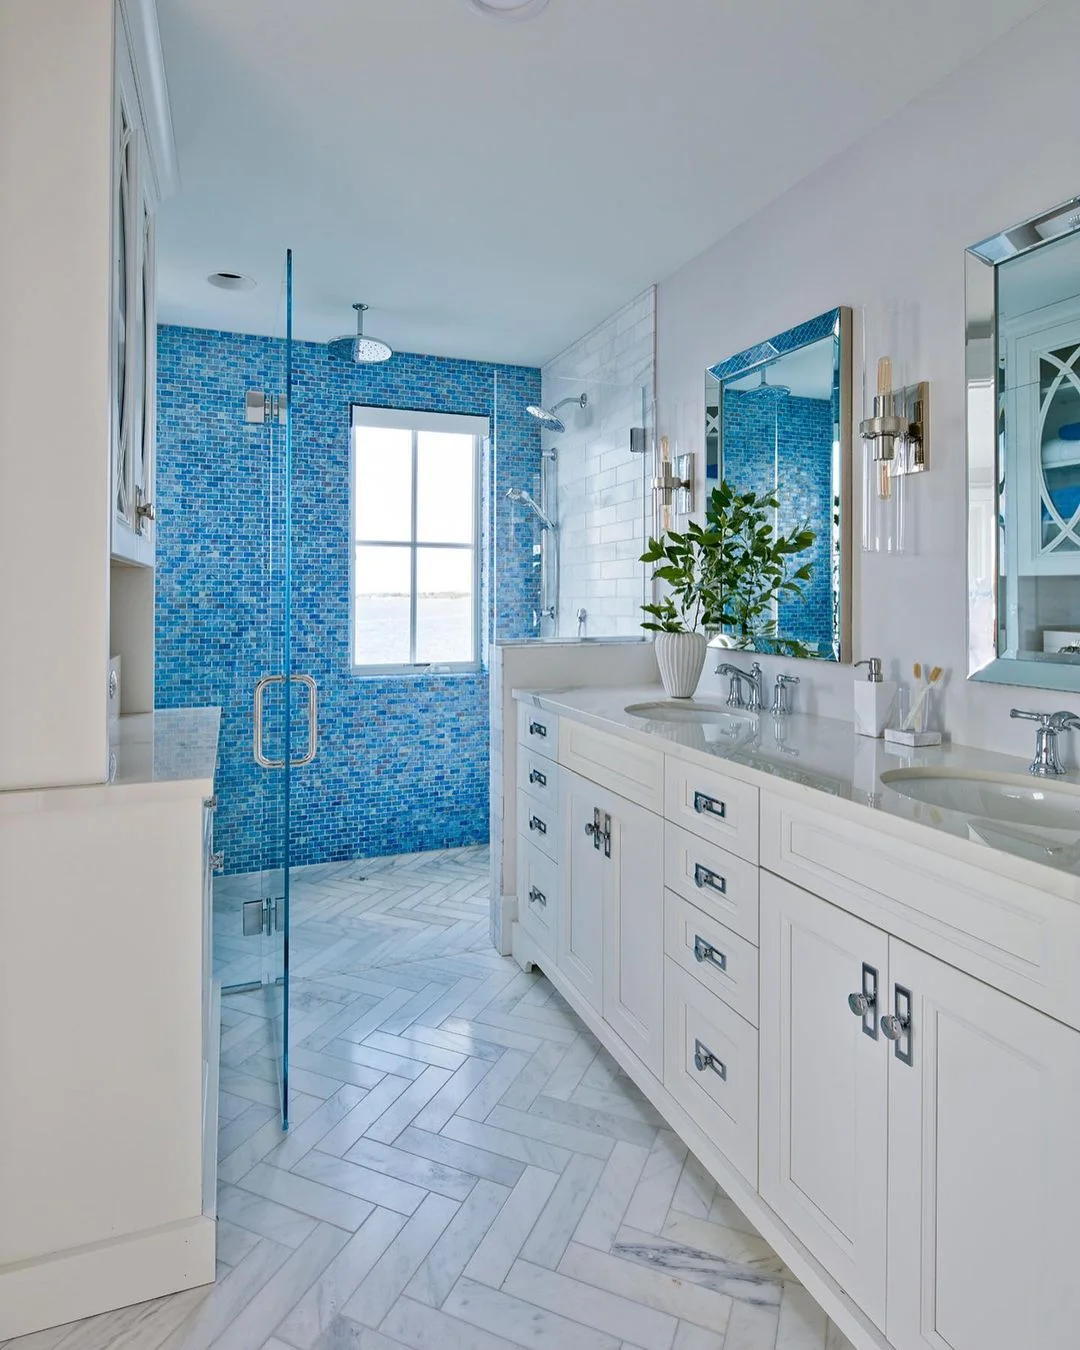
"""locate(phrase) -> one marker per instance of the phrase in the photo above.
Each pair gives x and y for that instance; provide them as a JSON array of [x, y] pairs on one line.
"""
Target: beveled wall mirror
[[778, 422], [1023, 445]]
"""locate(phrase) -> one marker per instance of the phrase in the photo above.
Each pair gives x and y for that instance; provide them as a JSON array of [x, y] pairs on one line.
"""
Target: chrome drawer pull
[[537, 729], [537, 896], [705, 805], [535, 776], [864, 1004], [706, 877], [705, 951], [705, 1059], [535, 823], [897, 1027]]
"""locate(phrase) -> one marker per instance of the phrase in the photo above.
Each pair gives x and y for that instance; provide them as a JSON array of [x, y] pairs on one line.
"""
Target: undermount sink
[[691, 710], [1013, 800]]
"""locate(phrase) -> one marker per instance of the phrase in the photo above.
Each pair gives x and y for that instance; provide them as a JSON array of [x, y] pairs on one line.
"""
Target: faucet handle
[[1043, 718], [779, 701]]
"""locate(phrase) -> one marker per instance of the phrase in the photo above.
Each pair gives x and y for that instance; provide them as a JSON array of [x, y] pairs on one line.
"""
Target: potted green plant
[[724, 576]]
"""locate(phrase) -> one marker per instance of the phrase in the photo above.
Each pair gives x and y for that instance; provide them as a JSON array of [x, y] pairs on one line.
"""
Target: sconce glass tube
[[883, 489]]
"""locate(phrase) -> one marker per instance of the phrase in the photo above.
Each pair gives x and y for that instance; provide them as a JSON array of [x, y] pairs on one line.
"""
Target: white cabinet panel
[[715, 880], [715, 956], [580, 928], [824, 1084], [633, 771], [539, 823], [720, 809], [538, 776], [984, 1169], [538, 895], [538, 730], [711, 1067], [634, 930]]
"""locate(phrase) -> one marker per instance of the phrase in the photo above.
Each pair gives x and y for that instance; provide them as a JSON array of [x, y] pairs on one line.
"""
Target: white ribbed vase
[[681, 657]]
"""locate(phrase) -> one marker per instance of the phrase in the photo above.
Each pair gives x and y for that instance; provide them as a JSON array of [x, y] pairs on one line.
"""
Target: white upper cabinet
[[134, 321], [984, 1168], [824, 1085]]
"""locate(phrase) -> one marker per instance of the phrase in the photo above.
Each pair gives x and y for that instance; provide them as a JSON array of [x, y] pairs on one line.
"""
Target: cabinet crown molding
[[140, 24]]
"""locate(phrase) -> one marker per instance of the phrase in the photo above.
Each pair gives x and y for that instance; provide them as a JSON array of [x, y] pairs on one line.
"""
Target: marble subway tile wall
[[403, 761], [602, 487]]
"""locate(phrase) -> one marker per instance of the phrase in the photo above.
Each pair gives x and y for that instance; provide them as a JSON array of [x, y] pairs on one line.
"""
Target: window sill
[[417, 672]]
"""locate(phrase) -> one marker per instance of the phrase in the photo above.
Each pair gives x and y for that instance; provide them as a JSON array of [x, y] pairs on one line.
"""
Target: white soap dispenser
[[874, 698]]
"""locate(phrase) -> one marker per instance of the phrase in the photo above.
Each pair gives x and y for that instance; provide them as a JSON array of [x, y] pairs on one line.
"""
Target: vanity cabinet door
[[634, 930], [580, 930], [824, 1122], [984, 1168]]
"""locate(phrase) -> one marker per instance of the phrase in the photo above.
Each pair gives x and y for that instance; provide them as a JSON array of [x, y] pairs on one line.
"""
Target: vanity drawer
[[538, 729], [716, 881], [538, 881], [720, 960], [539, 824], [538, 777], [1016, 936], [720, 809], [711, 1067], [633, 771]]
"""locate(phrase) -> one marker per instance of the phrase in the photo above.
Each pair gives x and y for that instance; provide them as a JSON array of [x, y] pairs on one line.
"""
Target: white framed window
[[415, 487]]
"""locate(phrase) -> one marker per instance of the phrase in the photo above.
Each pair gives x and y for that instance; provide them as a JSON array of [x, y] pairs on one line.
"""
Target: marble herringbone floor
[[466, 1168]]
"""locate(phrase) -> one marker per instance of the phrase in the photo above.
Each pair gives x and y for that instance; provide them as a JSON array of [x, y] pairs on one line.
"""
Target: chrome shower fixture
[[521, 497], [548, 418], [358, 349]]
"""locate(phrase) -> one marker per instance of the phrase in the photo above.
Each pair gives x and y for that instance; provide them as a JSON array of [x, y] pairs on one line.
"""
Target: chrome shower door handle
[[261, 687], [313, 719]]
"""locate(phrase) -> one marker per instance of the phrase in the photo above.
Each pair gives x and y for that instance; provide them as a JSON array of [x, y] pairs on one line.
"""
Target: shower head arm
[[581, 400]]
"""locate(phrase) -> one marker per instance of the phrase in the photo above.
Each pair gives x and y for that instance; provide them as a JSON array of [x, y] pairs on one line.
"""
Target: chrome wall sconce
[[673, 485], [896, 444]]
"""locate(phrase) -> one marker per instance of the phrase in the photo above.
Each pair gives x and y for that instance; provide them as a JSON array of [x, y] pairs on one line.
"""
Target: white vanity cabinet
[[611, 931], [984, 1168], [868, 1030], [824, 1085]]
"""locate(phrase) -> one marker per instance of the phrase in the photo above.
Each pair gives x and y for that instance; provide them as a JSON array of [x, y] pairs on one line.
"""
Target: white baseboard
[[51, 1290]]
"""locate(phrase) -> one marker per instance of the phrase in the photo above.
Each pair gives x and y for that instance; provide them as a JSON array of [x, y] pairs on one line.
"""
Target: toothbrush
[[917, 716]]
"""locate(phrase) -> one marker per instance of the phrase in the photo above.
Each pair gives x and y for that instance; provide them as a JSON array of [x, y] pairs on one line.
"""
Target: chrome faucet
[[738, 677], [1046, 763], [780, 706]]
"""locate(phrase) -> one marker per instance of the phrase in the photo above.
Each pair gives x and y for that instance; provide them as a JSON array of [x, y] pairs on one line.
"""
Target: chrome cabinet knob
[[892, 1027], [145, 511], [860, 1004]]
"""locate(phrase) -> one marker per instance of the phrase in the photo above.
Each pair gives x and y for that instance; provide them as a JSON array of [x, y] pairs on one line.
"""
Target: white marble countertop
[[797, 754], [172, 745], [170, 753]]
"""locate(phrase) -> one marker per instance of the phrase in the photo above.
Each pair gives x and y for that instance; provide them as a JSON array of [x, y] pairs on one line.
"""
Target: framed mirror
[[1023, 448], [778, 423]]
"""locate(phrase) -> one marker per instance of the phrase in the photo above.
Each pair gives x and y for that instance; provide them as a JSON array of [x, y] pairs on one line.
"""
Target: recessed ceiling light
[[231, 281], [508, 9]]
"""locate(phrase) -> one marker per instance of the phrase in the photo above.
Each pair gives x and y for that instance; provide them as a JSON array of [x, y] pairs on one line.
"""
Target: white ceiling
[[492, 189]]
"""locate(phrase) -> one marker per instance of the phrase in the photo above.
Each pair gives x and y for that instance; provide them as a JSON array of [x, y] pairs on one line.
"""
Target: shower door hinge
[[260, 407], [262, 916]]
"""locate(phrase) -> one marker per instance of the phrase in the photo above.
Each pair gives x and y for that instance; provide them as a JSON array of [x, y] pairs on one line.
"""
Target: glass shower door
[[274, 701]]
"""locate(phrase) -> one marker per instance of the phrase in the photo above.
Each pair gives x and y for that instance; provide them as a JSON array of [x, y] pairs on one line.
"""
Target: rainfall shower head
[[520, 496], [358, 349], [764, 387], [547, 416]]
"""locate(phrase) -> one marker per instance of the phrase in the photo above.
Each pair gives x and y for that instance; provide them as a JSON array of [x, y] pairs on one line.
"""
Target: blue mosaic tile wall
[[402, 762], [760, 430]]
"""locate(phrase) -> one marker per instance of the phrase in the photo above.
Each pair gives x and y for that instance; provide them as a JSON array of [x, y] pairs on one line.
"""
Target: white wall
[[600, 497], [887, 223]]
